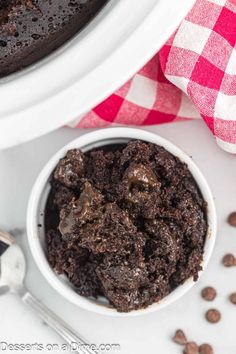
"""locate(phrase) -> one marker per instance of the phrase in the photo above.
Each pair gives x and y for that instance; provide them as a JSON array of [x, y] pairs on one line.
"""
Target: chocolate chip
[[191, 348], [180, 337], [233, 298], [208, 293], [232, 219], [206, 349], [229, 260], [213, 316]]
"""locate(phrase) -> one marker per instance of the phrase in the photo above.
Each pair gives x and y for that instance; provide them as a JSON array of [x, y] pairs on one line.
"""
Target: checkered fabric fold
[[193, 76]]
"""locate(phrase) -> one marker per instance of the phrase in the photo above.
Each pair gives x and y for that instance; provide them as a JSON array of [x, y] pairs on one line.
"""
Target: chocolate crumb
[[206, 349], [213, 316], [208, 293], [233, 298], [232, 219], [191, 348], [180, 337], [229, 260]]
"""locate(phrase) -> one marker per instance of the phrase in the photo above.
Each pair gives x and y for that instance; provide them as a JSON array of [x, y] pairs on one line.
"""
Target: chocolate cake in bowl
[[121, 221]]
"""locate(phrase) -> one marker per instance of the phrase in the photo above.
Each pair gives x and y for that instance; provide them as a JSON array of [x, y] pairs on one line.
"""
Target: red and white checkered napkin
[[193, 75]]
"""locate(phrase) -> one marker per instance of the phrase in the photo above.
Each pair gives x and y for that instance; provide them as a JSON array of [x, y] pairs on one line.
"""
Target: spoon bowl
[[13, 266], [12, 274]]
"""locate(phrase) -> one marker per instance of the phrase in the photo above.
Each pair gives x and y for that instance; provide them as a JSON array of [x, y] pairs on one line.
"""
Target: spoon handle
[[78, 344]]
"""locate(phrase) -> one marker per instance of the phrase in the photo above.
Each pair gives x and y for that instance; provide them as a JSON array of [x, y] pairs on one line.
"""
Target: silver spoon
[[12, 274]]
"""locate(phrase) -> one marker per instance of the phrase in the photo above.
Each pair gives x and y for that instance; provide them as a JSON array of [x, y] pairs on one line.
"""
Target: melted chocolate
[[31, 29]]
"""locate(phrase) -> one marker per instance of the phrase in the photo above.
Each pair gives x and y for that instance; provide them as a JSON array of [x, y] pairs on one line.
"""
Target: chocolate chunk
[[208, 293], [70, 169], [141, 190], [141, 175], [80, 211], [232, 219], [206, 349], [229, 260], [213, 316], [191, 348], [180, 337], [232, 298]]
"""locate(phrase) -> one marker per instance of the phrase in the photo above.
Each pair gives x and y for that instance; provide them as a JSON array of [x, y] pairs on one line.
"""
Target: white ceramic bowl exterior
[[68, 83], [35, 216]]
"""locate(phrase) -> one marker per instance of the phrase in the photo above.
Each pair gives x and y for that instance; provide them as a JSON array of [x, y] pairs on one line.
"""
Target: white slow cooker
[[82, 73]]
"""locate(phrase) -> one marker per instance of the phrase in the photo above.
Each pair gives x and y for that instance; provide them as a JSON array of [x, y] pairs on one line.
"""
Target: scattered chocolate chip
[[229, 260], [206, 349], [191, 348], [213, 316], [232, 219], [208, 293], [233, 298], [180, 337]]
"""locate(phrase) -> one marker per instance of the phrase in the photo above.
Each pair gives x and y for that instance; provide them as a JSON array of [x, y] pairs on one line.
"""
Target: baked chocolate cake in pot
[[31, 29]]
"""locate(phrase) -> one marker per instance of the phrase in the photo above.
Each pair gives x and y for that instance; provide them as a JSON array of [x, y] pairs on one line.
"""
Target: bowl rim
[[87, 142]]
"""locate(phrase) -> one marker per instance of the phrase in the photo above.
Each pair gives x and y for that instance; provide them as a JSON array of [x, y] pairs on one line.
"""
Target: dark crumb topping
[[127, 222]]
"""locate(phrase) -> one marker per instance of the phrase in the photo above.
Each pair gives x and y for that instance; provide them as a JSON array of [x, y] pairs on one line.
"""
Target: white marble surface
[[151, 333]]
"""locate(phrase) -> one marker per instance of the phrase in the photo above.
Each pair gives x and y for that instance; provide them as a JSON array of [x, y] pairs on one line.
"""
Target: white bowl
[[78, 76], [36, 207]]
